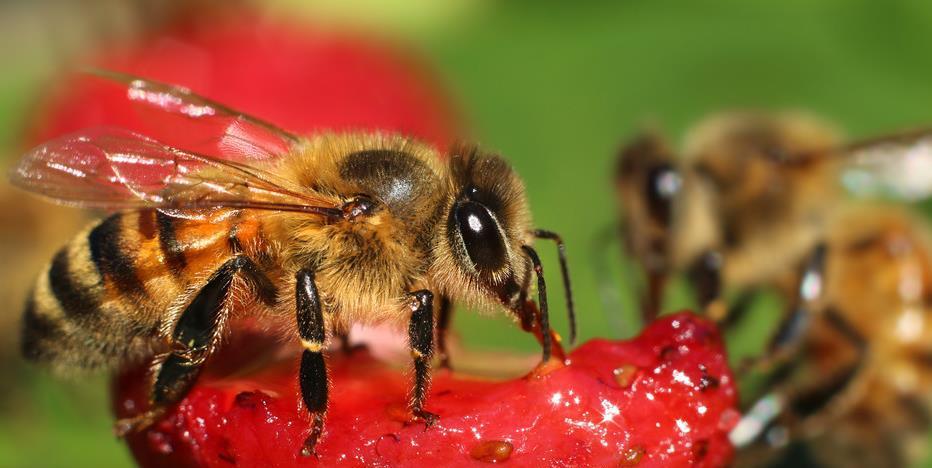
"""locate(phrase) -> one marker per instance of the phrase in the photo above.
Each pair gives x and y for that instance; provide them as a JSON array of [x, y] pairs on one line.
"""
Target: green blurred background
[[555, 86]]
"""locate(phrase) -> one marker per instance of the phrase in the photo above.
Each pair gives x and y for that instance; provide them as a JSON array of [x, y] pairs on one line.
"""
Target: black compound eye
[[663, 183], [481, 236]]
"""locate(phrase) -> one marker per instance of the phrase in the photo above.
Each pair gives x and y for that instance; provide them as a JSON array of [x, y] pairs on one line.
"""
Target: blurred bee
[[311, 235], [757, 202]]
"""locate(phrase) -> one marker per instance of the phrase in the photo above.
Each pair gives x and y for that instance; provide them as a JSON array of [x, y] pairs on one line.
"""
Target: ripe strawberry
[[665, 398]]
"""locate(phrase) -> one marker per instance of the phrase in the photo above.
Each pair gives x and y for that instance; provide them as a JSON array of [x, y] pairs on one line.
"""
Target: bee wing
[[196, 123], [119, 169], [898, 166]]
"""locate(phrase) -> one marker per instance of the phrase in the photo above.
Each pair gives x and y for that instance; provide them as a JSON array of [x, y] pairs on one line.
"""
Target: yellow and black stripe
[[106, 291]]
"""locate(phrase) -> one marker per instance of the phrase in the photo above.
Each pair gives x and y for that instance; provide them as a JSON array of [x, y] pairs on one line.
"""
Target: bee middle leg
[[421, 339], [313, 373], [796, 321], [194, 338], [779, 406], [800, 406]]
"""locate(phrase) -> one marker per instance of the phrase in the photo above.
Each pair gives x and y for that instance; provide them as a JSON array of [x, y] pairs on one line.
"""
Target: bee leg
[[810, 402], [705, 275], [565, 273], [313, 373], [421, 338], [737, 311], [443, 326], [194, 338], [794, 324], [543, 317], [767, 412], [652, 297]]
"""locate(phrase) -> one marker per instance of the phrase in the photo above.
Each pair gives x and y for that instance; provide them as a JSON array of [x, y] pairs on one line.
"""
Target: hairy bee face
[[486, 224]]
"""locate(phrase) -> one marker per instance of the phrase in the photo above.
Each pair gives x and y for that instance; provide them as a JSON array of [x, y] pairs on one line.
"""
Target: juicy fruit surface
[[665, 398]]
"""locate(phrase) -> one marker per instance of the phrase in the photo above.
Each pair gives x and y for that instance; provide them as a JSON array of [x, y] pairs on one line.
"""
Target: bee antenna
[[541, 300], [564, 269]]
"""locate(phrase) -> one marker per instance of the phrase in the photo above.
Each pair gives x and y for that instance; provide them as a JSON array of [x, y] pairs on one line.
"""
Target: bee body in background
[[309, 236], [757, 202]]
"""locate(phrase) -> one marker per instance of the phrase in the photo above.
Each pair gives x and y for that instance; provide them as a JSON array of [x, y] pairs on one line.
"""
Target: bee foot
[[310, 443], [125, 426], [427, 417], [309, 448]]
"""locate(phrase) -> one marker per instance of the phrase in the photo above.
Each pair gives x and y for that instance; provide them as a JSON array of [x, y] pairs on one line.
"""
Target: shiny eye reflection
[[663, 184], [474, 223], [668, 183]]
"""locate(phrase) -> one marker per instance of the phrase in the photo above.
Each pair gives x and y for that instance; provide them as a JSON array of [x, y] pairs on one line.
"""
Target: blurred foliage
[[556, 86]]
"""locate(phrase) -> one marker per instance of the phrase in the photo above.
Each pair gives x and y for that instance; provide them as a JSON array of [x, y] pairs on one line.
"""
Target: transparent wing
[[115, 168], [196, 123], [897, 166]]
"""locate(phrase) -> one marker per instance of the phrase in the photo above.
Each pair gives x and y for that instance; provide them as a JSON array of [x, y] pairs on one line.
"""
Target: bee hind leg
[[421, 338], [194, 338], [779, 407], [796, 320], [313, 373]]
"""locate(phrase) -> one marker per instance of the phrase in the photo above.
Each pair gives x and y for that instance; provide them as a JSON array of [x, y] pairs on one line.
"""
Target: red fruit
[[293, 75], [672, 405]]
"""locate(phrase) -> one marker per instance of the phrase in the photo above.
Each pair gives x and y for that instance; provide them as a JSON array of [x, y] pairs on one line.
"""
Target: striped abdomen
[[105, 294]]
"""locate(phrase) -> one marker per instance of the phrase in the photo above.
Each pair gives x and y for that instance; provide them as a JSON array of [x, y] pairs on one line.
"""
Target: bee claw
[[125, 426], [309, 449], [310, 443], [426, 416], [122, 427]]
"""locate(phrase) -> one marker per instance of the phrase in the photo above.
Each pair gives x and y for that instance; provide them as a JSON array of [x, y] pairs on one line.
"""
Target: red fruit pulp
[[665, 398]]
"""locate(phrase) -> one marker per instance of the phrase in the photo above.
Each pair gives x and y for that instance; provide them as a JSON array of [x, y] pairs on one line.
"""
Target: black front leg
[[313, 373], [543, 318], [705, 275], [421, 339]]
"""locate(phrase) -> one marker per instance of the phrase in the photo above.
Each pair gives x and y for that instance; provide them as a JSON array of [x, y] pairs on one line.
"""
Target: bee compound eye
[[663, 184], [481, 236]]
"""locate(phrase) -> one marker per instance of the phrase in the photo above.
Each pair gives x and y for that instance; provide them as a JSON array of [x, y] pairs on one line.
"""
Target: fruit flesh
[[671, 405]]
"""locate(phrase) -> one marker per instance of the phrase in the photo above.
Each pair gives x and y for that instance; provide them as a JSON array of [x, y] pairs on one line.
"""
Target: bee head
[[648, 184], [479, 259]]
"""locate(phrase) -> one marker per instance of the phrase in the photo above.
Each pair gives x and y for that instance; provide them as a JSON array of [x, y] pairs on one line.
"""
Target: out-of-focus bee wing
[[118, 169], [898, 166], [199, 124]]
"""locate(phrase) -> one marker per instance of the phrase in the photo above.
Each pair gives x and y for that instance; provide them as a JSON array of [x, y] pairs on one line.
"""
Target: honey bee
[[310, 234], [758, 202]]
